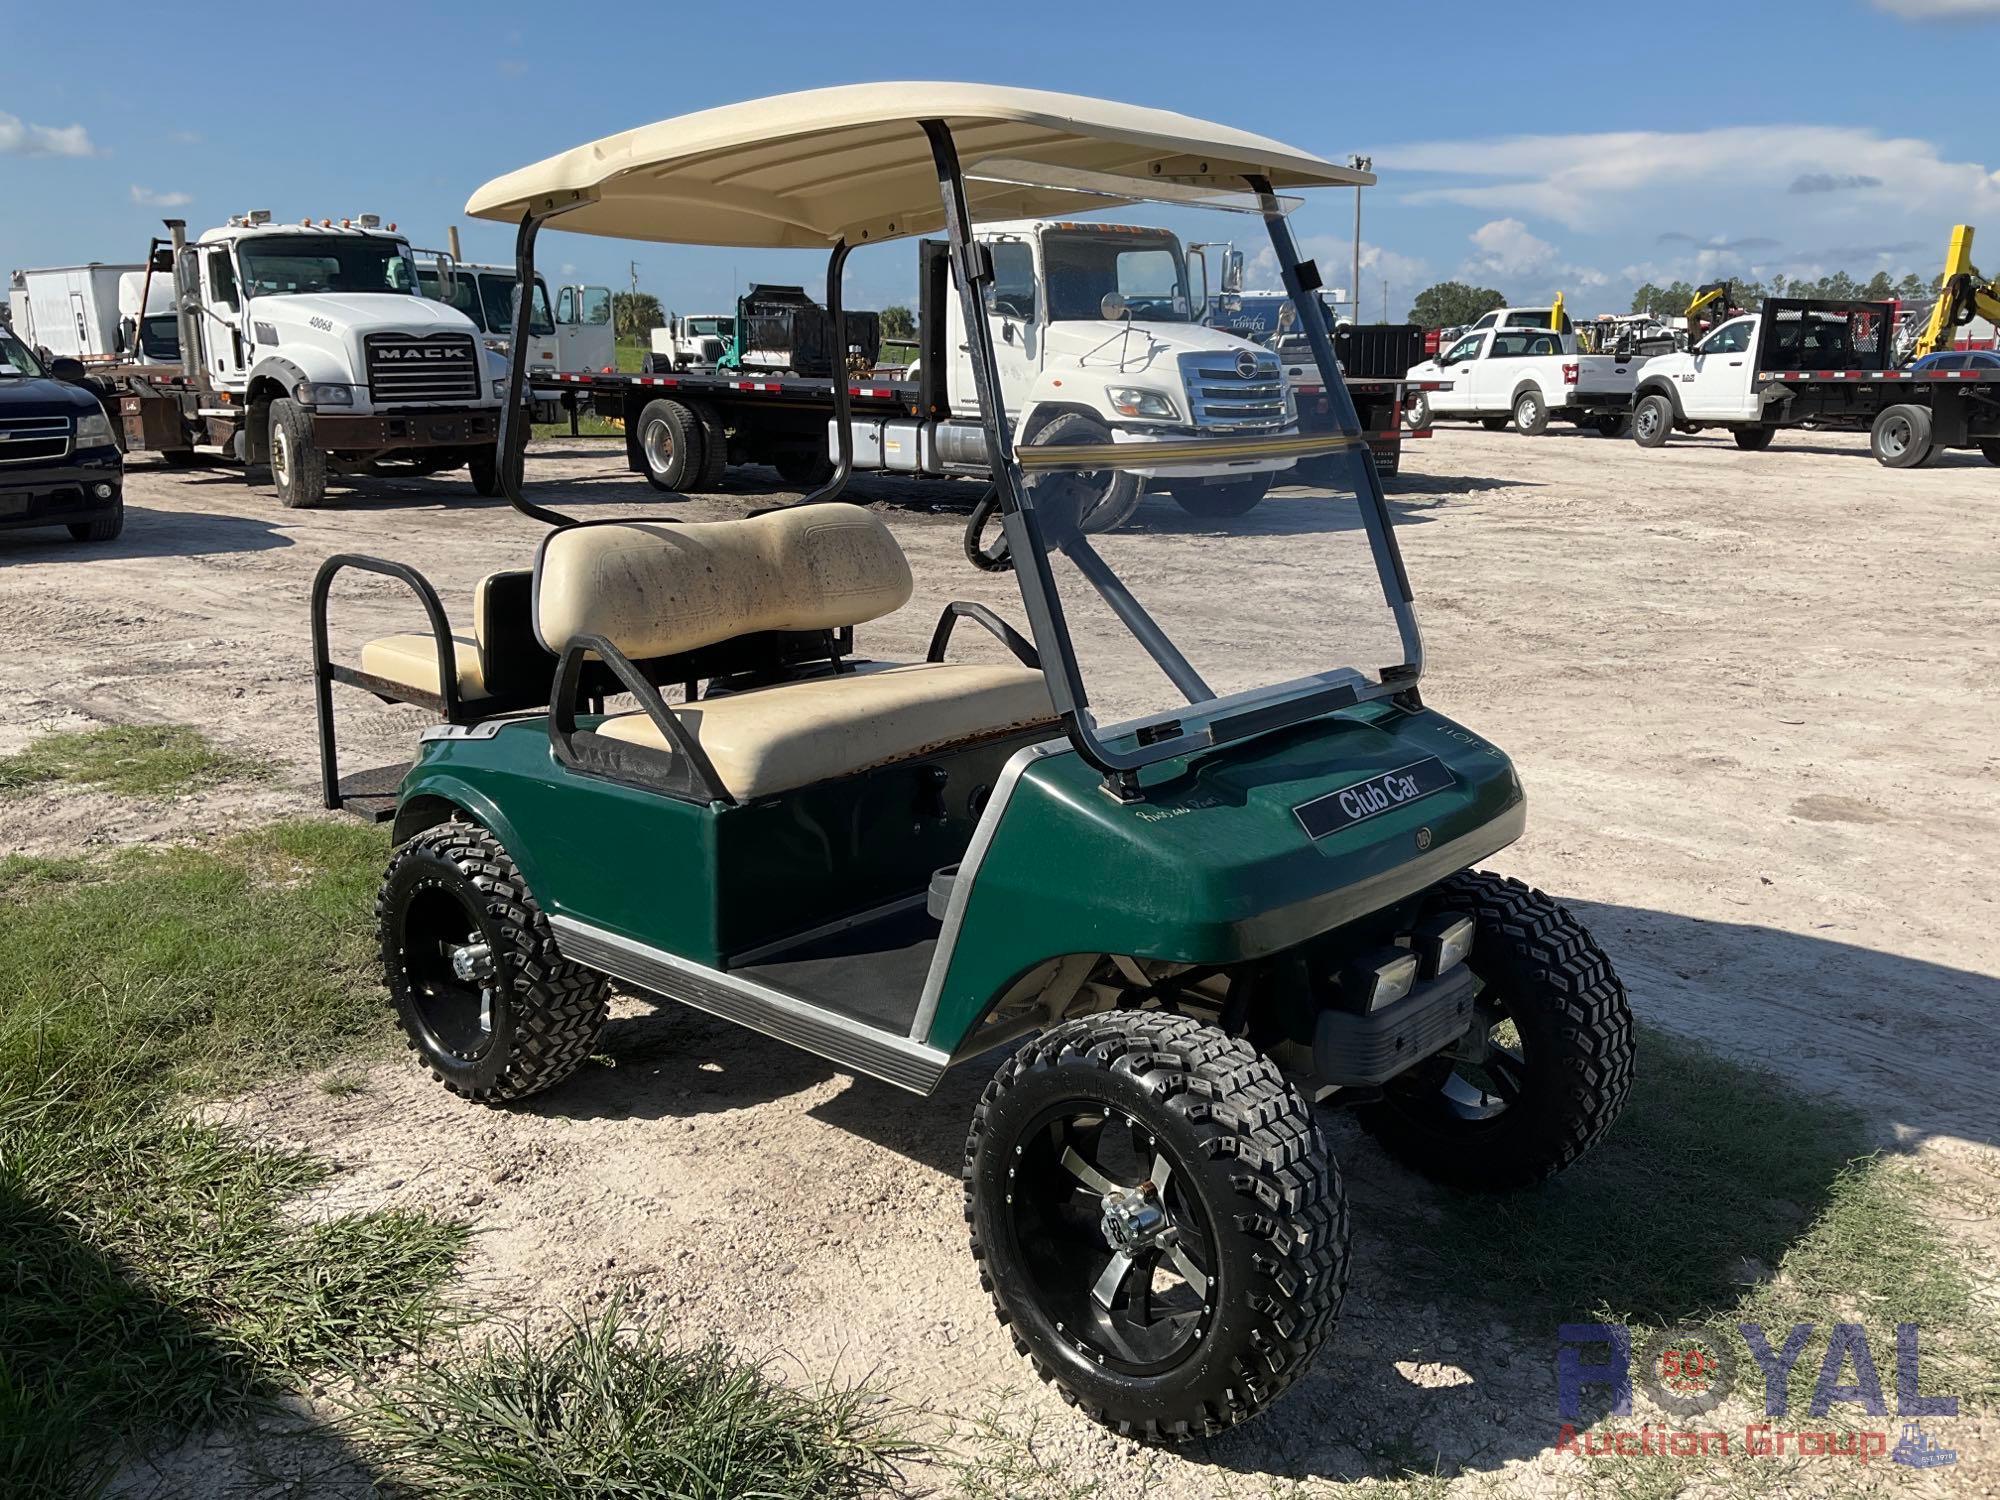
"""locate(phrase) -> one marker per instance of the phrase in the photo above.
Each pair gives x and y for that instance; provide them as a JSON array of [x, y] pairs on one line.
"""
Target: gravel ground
[[1750, 696]]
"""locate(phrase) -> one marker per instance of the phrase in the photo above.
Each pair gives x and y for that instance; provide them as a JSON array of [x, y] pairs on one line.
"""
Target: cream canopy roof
[[803, 170]]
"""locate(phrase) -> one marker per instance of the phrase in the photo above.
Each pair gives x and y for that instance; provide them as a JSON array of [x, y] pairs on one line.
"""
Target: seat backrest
[[658, 588], [511, 661]]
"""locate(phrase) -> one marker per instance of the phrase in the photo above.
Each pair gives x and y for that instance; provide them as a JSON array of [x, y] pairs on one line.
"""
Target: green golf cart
[[1170, 873]]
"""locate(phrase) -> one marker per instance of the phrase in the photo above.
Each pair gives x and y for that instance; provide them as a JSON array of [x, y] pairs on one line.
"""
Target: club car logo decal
[[1365, 799]]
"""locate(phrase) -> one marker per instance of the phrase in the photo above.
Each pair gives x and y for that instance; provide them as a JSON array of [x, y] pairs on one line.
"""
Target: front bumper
[[458, 427], [60, 493], [1211, 469]]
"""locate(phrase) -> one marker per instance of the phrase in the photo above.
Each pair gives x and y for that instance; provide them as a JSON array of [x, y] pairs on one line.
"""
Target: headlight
[[500, 390], [311, 393], [498, 346], [93, 430], [1135, 401]]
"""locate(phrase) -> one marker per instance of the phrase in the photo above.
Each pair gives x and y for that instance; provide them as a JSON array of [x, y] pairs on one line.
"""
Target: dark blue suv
[[59, 460]]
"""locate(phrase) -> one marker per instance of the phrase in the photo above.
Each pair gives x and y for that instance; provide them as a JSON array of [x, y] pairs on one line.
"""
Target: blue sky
[[1800, 136]]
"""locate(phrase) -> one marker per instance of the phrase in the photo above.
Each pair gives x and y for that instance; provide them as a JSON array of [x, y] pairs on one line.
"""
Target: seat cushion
[[655, 588], [412, 662], [772, 739]]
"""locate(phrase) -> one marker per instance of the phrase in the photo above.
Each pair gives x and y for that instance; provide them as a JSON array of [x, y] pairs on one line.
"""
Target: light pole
[[1360, 164]]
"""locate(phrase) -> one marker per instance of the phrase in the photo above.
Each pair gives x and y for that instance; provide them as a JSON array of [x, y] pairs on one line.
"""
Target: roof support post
[[515, 413], [972, 271], [1374, 504], [843, 427]]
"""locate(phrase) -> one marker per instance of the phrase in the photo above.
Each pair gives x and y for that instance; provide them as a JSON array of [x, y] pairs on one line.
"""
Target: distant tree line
[[1672, 300]]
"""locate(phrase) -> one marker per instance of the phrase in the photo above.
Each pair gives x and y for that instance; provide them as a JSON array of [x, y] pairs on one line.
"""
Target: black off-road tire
[[1496, 424], [483, 465], [1234, 497], [1652, 420], [298, 467], [714, 447], [1247, 1144], [670, 448], [1753, 439], [1558, 988], [547, 1011], [104, 528], [1531, 413], [1901, 437]]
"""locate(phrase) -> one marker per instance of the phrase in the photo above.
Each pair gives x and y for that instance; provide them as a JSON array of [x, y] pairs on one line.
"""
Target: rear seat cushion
[[773, 739], [656, 588], [412, 662]]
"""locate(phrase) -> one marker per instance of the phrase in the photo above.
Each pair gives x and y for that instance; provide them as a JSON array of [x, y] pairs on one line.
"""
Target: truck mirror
[[1113, 307], [68, 371], [1232, 271], [163, 260]]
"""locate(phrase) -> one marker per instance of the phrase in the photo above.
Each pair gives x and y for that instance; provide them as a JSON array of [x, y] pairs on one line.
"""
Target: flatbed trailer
[[781, 420]]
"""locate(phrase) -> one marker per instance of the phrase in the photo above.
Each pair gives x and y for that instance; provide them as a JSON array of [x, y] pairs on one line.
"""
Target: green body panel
[[708, 881], [1211, 866], [1215, 867]]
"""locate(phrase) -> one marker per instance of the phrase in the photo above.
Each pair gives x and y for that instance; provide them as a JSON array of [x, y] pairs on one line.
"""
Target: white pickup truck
[[1523, 376]]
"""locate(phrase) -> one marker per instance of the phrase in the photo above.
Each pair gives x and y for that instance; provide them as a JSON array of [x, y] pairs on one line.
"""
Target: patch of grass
[[154, 1276], [608, 1407], [1001, 1460], [152, 1282], [134, 760], [170, 968]]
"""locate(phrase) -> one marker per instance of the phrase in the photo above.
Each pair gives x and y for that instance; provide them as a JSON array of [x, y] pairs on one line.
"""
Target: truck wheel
[[1753, 439], [1609, 424], [1495, 424], [1417, 412], [1901, 437], [670, 444], [1558, 1062], [1531, 414], [807, 468], [104, 528], [483, 464], [1652, 420], [1233, 497], [484, 995], [180, 458], [298, 468], [1157, 1219], [714, 447], [1094, 501], [1991, 448]]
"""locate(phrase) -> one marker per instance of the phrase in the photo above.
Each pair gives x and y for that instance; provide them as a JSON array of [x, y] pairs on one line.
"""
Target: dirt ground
[[1750, 695]]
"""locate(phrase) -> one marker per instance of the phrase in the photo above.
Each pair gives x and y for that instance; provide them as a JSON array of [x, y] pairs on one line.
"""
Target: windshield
[[283, 264], [496, 294], [1218, 558], [1085, 265], [15, 358], [712, 327], [464, 294]]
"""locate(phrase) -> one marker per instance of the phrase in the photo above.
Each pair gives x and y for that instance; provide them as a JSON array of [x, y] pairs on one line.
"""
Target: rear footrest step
[[371, 795]]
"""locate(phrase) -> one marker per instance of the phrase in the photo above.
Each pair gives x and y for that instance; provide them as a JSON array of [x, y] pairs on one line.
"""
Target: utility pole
[[635, 277], [1360, 164]]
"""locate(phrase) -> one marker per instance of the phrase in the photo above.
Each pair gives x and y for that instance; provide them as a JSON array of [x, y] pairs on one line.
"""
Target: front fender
[[1661, 386]]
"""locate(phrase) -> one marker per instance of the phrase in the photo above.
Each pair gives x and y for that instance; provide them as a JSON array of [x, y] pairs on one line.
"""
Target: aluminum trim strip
[[776, 1013], [968, 871]]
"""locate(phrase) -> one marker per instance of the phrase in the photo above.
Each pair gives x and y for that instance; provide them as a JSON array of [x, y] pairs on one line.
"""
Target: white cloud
[[1596, 181], [1406, 275], [19, 138], [1504, 250], [1942, 10], [147, 198]]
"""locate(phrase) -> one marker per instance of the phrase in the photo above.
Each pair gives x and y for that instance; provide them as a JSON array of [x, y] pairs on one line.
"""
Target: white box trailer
[[69, 310]]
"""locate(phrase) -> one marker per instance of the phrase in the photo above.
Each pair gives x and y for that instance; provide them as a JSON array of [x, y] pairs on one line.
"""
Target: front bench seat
[[659, 590], [499, 659], [792, 734]]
